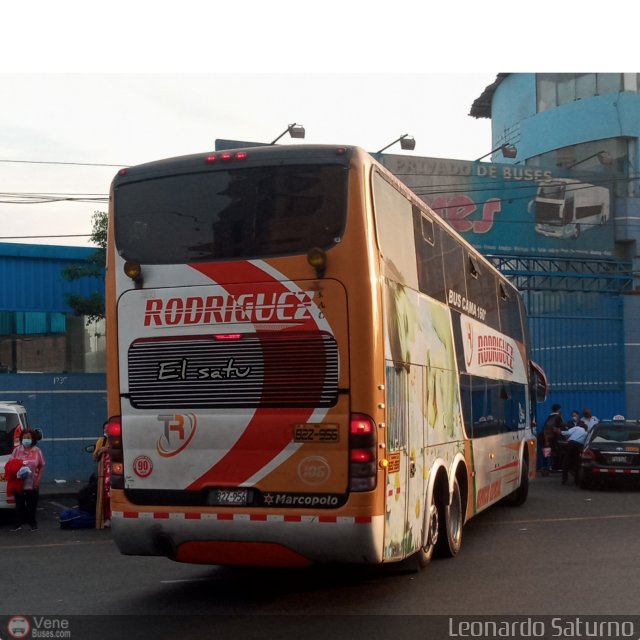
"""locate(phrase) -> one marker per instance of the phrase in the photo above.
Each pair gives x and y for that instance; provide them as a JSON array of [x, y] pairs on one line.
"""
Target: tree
[[93, 306]]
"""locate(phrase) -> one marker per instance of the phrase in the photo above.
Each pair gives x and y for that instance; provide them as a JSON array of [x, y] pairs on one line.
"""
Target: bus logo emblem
[[143, 466], [178, 432]]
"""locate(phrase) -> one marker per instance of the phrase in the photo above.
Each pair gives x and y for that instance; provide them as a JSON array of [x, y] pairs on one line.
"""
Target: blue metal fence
[[70, 409], [578, 338]]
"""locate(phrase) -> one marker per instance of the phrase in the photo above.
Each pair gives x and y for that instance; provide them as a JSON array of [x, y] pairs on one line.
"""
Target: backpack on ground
[[77, 519]]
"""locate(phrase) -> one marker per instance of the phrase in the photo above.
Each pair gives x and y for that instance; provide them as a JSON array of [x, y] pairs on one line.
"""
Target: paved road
[[565, 552]]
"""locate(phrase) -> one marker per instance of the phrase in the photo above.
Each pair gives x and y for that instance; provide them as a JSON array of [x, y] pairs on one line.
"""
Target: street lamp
[[508, 151], [294, 130], [407, 142]]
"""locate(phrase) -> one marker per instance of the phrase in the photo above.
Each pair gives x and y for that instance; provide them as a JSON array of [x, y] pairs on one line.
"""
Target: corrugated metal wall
[[578, 338], [31, 280], [70, 409]]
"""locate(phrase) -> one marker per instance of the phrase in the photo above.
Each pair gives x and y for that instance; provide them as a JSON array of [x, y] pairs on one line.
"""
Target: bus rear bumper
[[250, 539]]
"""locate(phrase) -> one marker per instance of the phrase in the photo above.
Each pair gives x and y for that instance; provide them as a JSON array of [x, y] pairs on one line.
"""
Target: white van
[[13, 420], [564, 208]]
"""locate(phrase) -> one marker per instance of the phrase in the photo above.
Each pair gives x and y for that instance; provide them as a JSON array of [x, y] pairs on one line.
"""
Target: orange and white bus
[[306, 364]]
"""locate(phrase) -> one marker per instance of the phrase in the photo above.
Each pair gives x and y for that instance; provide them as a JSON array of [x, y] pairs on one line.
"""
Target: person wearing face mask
[[31, 474], [576, 420]]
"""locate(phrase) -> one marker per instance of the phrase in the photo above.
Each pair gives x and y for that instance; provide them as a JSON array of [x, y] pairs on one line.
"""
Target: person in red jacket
[[32, 462]]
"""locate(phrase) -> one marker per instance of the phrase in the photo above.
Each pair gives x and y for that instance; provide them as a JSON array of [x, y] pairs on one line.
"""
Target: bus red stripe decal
[[267, 434]]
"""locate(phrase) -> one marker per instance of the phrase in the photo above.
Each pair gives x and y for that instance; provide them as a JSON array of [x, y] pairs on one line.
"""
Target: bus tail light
[[225, 156], [362, 453], [113, 431]]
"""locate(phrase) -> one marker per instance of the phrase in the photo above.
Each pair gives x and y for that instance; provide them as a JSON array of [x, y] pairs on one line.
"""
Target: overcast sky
[[138, 81]]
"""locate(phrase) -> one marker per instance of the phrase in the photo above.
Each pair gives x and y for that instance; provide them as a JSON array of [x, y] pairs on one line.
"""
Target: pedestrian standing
[[31, 473], [548, 441], [588, 418]]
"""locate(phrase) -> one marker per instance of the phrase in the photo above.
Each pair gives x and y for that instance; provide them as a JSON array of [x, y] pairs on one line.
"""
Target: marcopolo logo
[[303, 500]]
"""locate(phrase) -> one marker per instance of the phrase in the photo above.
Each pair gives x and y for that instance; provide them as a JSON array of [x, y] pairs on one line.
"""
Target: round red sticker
[[143, 466]]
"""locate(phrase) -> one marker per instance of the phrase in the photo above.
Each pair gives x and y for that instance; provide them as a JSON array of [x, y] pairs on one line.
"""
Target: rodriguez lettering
[[289, 306], [493, 350]]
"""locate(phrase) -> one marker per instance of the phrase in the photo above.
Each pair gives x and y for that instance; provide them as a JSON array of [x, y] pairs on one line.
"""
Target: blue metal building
[[45, 357], [557, 209], [584, 320]]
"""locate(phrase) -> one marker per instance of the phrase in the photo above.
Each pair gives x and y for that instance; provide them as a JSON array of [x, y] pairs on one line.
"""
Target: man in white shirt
[[575, 437], [588, 418]]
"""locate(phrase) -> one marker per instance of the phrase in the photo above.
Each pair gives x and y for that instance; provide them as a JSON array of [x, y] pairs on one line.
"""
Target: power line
[[78, 164], [66, 235]]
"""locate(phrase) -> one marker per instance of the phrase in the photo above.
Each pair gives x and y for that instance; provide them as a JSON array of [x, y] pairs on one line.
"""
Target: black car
[[612, 450]]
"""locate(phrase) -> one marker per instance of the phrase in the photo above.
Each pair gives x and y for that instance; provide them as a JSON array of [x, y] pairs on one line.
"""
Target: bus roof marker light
[[211, 159], [317, 258], [241, 155]]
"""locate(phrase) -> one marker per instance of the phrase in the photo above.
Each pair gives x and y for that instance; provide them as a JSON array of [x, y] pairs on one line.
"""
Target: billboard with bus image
[[515, 209], [565, 208]]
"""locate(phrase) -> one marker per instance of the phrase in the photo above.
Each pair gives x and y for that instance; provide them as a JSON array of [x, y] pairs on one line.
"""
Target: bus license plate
[[312, 432], [619, 459], [231, 497]]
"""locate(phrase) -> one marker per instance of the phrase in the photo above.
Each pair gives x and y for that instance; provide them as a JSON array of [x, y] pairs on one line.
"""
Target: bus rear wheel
[[425, 553], [450, 534]]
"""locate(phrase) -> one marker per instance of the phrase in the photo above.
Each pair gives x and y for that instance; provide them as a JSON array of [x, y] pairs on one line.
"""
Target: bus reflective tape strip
[[242, 517], [624, 471]]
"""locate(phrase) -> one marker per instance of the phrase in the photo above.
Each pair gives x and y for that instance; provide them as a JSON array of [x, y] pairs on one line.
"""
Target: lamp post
[[406, 141], [295, 130], [508, 151]]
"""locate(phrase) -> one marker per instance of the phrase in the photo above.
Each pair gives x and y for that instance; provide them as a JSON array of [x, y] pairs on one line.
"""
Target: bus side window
[[428, 255], [454, 265]]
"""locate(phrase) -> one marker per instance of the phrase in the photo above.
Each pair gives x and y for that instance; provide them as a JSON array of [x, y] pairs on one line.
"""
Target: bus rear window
[[253, 212]]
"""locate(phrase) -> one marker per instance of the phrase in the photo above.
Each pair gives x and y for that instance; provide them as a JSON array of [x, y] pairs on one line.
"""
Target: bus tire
[[425, 553], [450, 529], [518, 497]]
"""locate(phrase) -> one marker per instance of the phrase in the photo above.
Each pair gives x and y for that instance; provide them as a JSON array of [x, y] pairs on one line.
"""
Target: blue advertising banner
[[514, 209]]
